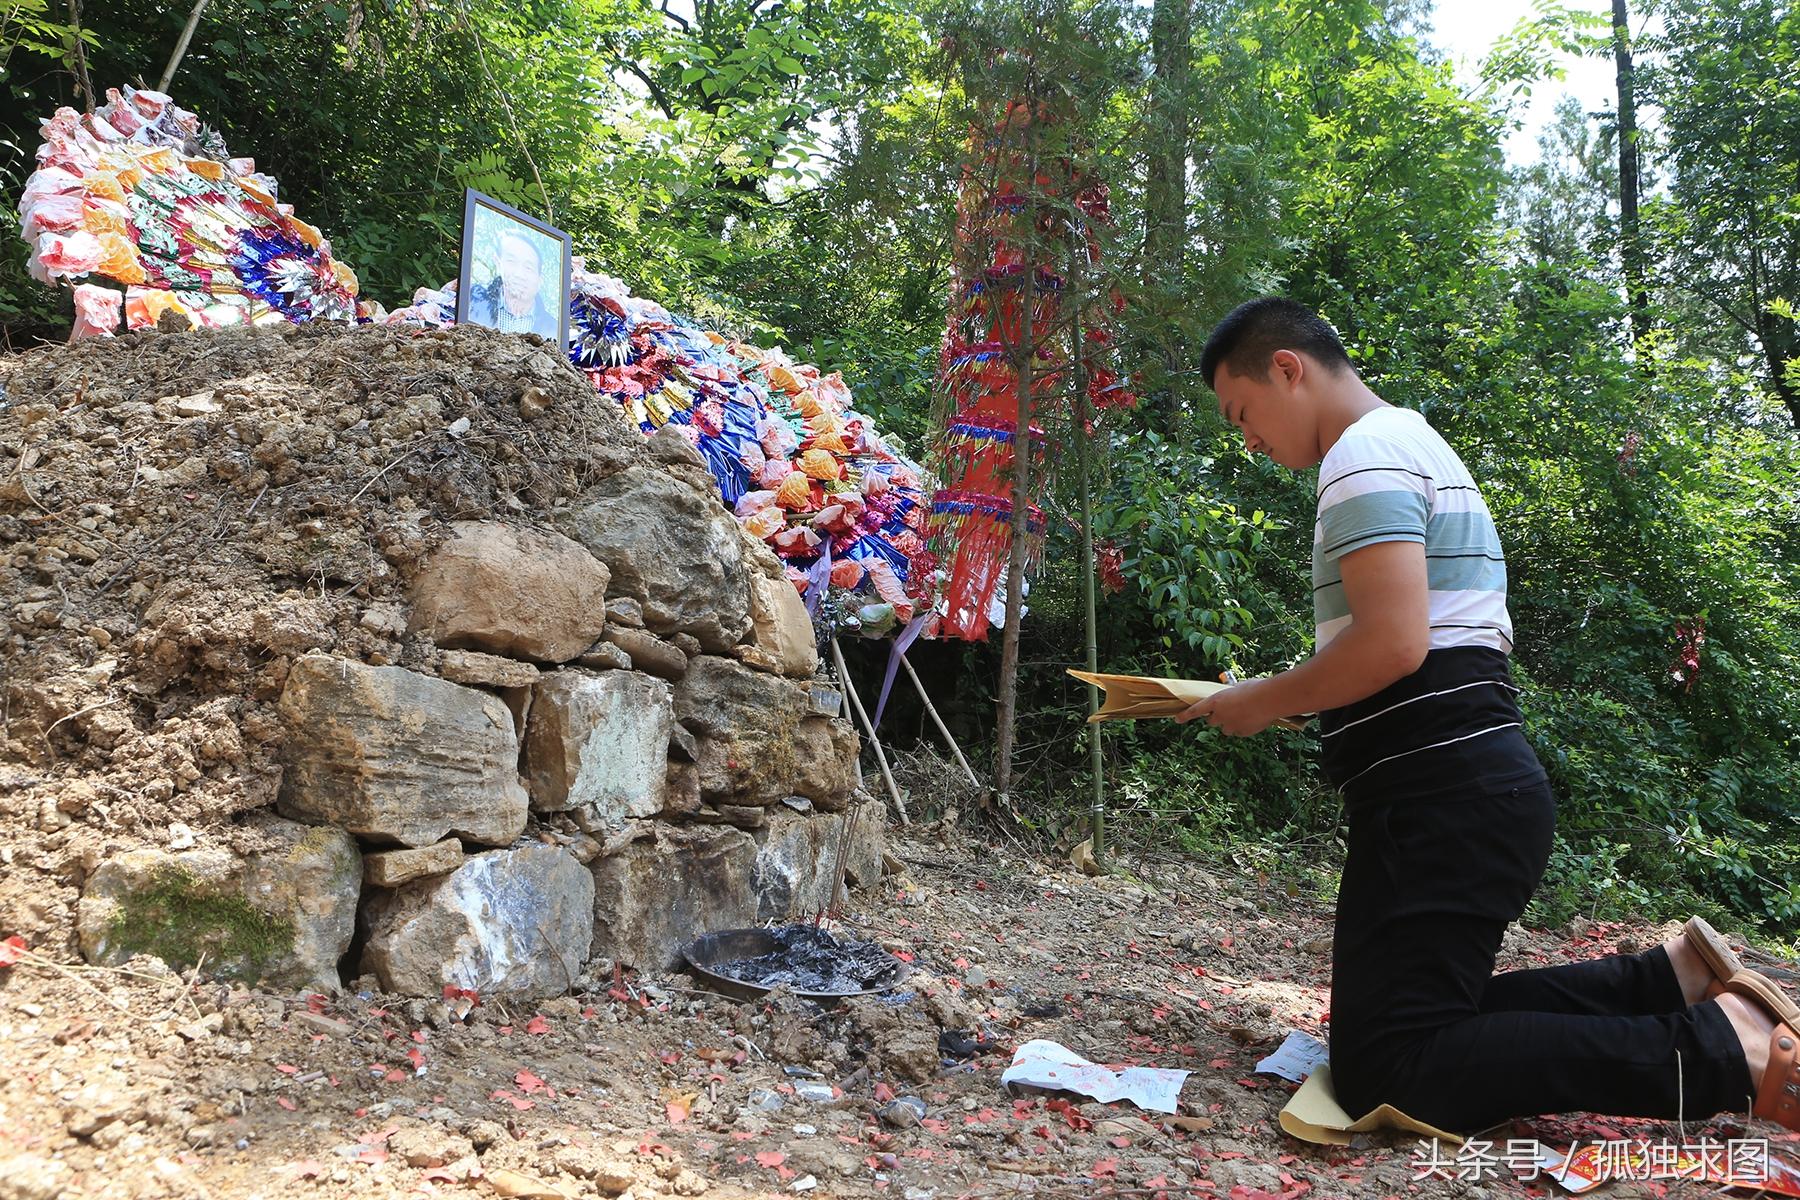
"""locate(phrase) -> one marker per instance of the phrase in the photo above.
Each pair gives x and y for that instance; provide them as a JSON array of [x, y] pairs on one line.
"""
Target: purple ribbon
[[818, 578], [907, 637]]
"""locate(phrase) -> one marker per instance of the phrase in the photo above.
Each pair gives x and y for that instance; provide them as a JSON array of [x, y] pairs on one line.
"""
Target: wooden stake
[[842, 860], [181, 46], [941, 727], [856, 704], [82, 81]]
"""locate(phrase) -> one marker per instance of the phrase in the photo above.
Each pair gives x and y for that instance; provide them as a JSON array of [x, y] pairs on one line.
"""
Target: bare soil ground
[[122, 1083]]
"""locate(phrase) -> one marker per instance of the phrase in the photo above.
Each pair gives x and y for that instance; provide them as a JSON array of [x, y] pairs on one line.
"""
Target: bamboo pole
[[181, 46], [856, 704], [943, 729], [1097, 761], [1007, 702]]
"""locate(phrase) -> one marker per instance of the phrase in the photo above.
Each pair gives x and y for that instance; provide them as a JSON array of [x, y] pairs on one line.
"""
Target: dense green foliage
[[790, 169]]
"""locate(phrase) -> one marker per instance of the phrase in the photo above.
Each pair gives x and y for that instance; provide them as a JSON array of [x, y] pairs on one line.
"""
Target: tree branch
[[656, 93], [1744, 323]]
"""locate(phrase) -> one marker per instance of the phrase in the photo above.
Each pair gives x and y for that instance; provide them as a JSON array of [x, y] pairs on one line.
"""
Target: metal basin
[[731, 945]]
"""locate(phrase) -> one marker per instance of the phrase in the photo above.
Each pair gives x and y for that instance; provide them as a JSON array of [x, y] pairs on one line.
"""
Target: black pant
[[1420, 1021]]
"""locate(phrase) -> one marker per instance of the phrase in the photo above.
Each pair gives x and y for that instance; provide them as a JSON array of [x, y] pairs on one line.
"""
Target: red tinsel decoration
[[979, 369]]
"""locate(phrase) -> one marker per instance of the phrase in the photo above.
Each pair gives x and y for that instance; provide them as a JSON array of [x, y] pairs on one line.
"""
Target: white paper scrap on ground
[[1046, 1064], [1296, 1058]]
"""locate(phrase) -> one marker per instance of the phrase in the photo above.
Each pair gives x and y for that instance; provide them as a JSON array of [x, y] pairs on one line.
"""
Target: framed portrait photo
[[515, 271]]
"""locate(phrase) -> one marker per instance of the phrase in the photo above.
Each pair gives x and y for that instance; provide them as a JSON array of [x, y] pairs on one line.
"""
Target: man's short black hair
[[1252, 332]]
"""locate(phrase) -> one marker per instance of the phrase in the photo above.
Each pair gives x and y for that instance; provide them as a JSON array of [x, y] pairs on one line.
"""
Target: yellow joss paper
[[784, 379], [660, 406], [102, 219], [102, 186], [119, 259], [794, 491], [207, 168], [162, 160], [809, 404], [765, 522], [308, 234], [255, 191], [819, 464], [144, 307], [345, 276]]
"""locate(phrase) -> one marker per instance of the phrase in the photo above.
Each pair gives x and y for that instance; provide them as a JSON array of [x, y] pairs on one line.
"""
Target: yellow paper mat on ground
[[1314, 1115]]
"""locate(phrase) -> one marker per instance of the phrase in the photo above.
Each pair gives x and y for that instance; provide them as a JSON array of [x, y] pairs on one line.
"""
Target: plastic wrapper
[[97, 311], [144, 307], [64, 256]]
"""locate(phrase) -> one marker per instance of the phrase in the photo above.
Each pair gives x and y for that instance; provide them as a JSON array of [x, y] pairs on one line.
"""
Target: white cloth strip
[[1415, 699], [1420, 750]]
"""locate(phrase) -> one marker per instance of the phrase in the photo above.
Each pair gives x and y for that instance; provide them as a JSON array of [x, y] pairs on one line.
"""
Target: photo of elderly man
[[515, 277]]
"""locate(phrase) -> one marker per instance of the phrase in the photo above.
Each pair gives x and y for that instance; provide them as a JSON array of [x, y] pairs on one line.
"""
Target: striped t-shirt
[[1390, 477]]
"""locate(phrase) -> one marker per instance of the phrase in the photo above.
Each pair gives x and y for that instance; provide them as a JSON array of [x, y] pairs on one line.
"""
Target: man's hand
[[1388, 636], [1239, 711]]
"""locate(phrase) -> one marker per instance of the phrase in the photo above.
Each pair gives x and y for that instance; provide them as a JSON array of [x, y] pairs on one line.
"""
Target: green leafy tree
[[1728, 83]]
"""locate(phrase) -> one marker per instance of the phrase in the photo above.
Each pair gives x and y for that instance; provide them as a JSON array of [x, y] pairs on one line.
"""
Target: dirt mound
[[181, 514]]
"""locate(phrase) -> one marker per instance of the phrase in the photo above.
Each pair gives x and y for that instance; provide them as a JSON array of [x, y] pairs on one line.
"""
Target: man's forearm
[[1353, 666]]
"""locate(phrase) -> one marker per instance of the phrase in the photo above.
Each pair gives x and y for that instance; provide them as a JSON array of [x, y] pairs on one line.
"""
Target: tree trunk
[[1631, 247], [1777, 352], [1165, 186]]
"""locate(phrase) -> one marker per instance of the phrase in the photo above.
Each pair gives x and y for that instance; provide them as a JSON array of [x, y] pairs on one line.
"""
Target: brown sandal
[[1766, 992], [1778, 1095], [1715, 952]]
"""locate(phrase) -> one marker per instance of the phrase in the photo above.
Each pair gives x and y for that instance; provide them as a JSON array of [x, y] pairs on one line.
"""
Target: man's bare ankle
[[1754, 1029], [1691, 971]]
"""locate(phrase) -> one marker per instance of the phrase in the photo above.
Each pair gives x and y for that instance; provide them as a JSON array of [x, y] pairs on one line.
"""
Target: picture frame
[[504, 277]]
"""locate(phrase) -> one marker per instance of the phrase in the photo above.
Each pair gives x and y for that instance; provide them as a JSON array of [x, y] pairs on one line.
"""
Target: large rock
[[486, 670], [284, 914], [396, 756], [391, 868], [508, 922], [825, 751], [598, 745], [672, 547], [797, 856], [681, 790], [644, 651], [654, 896], [524, 593], [780, 628], [868, 838], [748, 723]]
